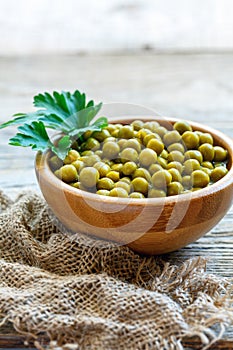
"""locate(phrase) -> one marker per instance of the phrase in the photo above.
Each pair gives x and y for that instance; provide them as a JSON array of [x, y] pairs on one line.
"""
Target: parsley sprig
[[65, 112]]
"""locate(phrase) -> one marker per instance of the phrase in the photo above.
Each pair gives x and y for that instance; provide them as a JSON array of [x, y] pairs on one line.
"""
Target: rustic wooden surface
[[196, 87]]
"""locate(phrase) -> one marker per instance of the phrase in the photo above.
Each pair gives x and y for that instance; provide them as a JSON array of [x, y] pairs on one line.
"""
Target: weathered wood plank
[[10, 339], [198, 87]]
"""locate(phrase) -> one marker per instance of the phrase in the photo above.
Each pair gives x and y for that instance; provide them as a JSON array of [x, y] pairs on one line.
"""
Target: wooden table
[[196, 87]]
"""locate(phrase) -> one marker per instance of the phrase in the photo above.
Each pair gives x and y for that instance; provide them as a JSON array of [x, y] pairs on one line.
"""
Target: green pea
[[92, 144], [103, 192], [117, 167], [153, 125], [99, 153], [110, 163], [162, 162], [119, 125], [176, 176], [137, 124], [161, 131], [171, 137], [147, 157], [122, 143], [110, 150], [220, 154], [177, 146], [156, 193], [76, 185], [115, 133], [206, 138], [110, 127], [129, 168], [190, 139], [199, 178], [79, 165], [141, 172], [142, 133], [164, 154], [149, 137], [55, 163], [89, 177], [87, 153], [123, 185], [126, 132], [154, 168], [175, 165], [156, 145], [193, 154], [186, 181], [113, 175], [118, 192], [190, 165], [129, 154], [199, 133], [207, 164], [140, 185], [90, 160], [218, 173], [105, 184], [101, 135], [175, 156], [87, 134], [71, 156], [136, 195], [109, 139], [67, 173], [207, 170], [126, 180], [133, 143], [207, 151], [174, 188], [161, 179], [182, 126]]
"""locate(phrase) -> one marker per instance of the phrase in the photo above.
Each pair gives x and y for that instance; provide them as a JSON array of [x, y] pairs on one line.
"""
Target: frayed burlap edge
[[84, 293]]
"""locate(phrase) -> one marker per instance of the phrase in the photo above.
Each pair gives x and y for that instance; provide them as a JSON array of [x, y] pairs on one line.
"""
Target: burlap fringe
[[81, 293]]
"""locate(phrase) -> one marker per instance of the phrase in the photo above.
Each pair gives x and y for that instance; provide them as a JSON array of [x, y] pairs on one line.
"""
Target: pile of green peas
[[143, 160]]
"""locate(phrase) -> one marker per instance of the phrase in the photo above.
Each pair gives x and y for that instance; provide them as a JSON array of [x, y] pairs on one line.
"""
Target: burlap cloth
[[97, 295]]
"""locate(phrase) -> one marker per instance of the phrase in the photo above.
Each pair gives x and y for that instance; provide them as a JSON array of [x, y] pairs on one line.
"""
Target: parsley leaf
[[21, 118], [63, 147], [96, 126], [36, 137], [63, 111], [63, 104], [66, 112], [33, 135]]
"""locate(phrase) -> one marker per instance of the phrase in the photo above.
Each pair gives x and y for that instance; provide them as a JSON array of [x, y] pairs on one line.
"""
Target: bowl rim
[[41, 161]]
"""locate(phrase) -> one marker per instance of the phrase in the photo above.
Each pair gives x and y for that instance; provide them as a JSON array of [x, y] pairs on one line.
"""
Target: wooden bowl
[[149, 226]]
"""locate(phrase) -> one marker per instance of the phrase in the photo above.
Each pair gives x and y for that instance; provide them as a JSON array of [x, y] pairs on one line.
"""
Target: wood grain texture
[[196, 87], [9, 339]]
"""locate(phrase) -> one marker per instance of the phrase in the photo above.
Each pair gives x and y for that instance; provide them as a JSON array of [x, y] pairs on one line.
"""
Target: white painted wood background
[[72, 26]]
